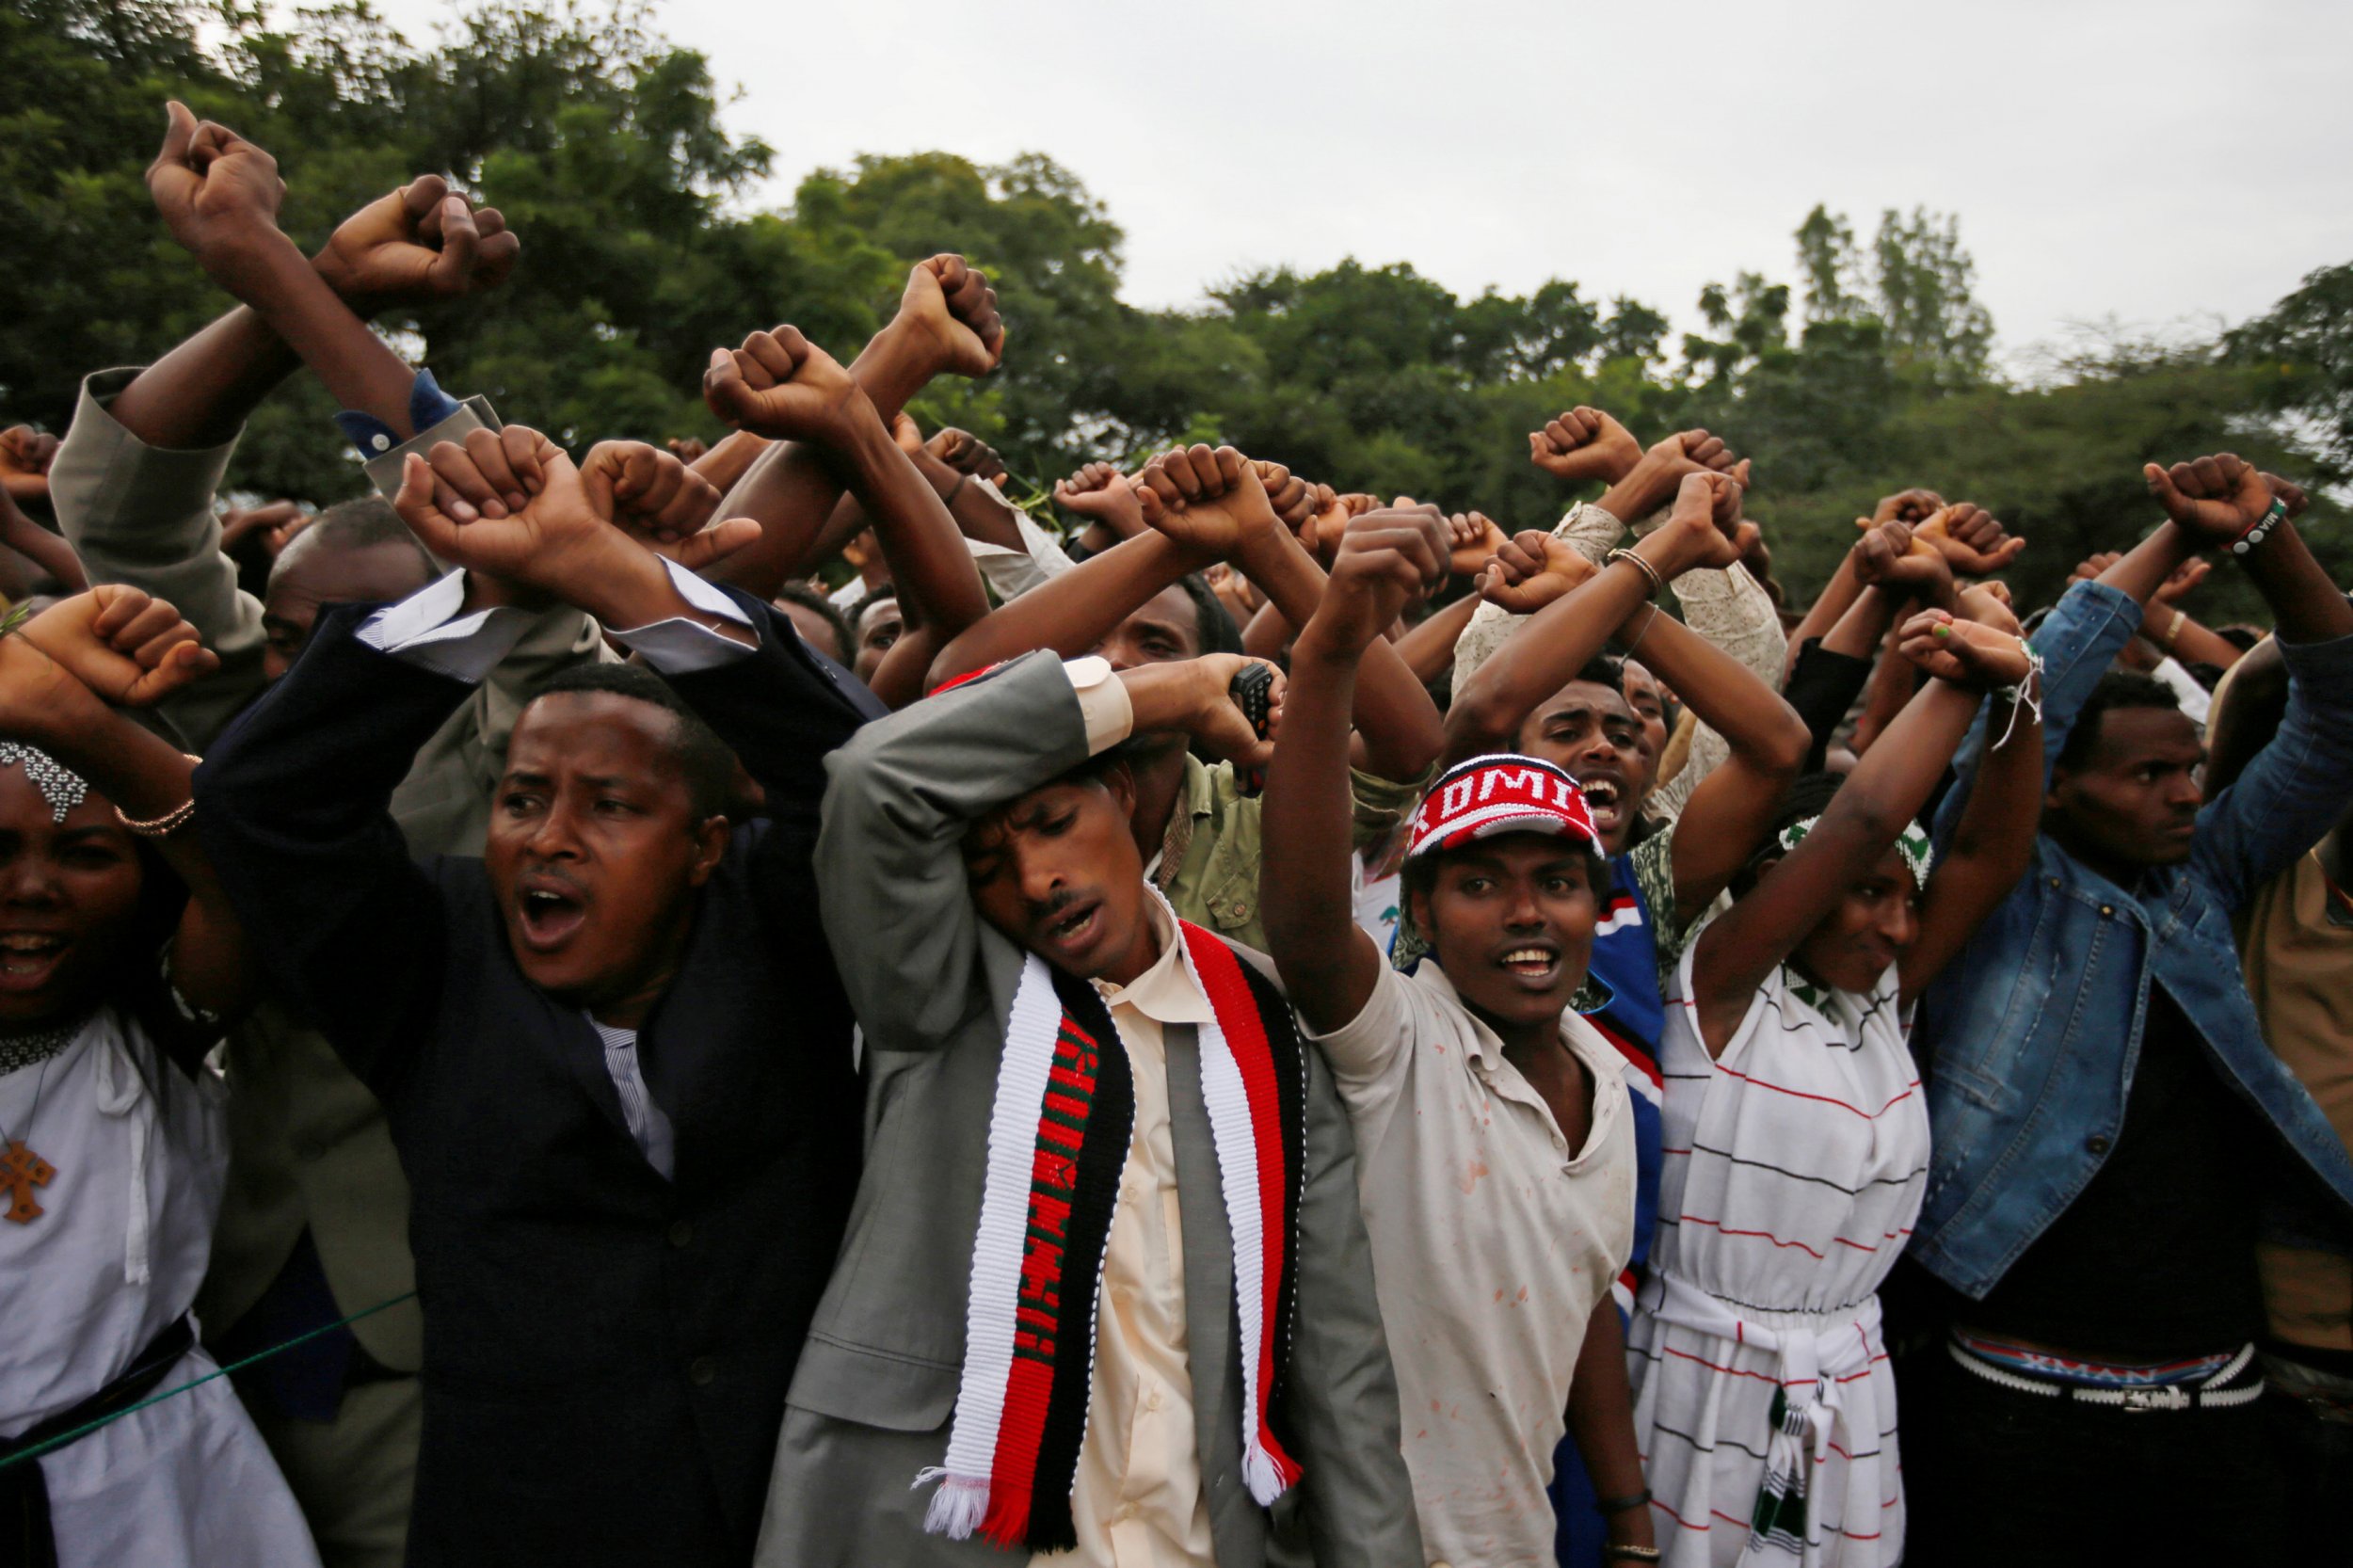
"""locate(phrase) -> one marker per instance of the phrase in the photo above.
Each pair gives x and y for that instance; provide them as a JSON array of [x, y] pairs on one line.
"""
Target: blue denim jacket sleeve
[[2293, 791], [2079, 642]]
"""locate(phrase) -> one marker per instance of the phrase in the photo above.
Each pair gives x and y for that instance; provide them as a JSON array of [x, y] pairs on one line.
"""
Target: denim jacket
[[2029, 1040]]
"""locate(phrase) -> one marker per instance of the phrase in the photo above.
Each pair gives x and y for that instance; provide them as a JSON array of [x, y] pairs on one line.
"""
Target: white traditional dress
[[1794, 1168], [139, 1153]]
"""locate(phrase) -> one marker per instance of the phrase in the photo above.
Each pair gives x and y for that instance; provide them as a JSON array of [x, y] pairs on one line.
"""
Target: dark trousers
[[2311, 1441], [1998, 1476]]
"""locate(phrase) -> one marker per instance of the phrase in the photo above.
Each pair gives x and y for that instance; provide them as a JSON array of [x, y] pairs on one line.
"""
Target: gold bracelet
[[2165, 639], [1656, 583], [171, 822]]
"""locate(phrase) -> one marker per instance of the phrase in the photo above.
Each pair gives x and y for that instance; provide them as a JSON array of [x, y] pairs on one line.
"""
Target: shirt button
[[681, 1232], [700, 1370], [2097, 1145], [381, 441], [2107, 909]]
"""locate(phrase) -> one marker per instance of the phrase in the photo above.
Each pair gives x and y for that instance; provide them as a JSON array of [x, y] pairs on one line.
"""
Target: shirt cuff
[[1102, 702], [426, 630], [681, 647], [428, 406]]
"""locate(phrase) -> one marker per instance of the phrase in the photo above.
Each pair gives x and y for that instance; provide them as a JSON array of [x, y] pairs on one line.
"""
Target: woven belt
[[2214, 1393]]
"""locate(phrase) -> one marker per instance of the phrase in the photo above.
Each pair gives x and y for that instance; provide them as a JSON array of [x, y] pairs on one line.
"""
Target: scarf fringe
[[957, 1509], [1269, 1478], [1013, 1437]]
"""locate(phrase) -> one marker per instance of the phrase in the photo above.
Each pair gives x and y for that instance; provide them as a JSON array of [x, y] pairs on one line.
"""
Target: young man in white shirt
[[1494, 1141]]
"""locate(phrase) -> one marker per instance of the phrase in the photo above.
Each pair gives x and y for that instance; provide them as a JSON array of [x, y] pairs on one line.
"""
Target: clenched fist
[[1584, 443]]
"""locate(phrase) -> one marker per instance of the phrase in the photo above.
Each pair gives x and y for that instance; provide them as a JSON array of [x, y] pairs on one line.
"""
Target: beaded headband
[[59, 786], [1912, 844]]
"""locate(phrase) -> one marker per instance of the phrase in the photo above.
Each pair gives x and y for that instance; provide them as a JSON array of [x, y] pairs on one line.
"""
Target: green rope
[[82, 1432]]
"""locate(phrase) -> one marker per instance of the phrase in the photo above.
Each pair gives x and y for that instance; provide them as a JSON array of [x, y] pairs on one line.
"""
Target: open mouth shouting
[[1605, 797], [1071, 931], [1536, 966], [549, 910], [28, 959]]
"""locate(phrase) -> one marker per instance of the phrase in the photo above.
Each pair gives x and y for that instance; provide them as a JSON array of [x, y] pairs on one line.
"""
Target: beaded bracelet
[[169, 822], [1624, 1505], [2273, 516], [1632, 1554], [1656, 581]]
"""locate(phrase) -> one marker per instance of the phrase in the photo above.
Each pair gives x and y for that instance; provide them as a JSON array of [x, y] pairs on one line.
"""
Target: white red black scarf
[[1058, 1135]]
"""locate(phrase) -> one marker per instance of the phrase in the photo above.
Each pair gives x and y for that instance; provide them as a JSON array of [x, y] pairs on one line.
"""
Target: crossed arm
[[1726, 813], [1742, 948], [1208, 506]]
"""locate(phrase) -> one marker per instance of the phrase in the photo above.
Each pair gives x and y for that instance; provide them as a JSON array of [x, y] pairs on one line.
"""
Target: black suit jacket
[[606, 1353]]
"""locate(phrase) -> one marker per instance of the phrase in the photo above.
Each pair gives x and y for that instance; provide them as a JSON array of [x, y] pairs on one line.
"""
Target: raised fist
[[1472, 540], [1329, 520], [1688, 452], [784, 387], [1889, 556], [127, 647], [213, 189], [1292, 498], [1912, 505], [1388, 559], [966, 452], [1584, 443], [1101, 491], [1705, 522], [1529, 571], [25, 455], [1969, 652], [1211, 502], [414, 245], [658, 501], [952, 307], [1969, 538], [2216, 499]]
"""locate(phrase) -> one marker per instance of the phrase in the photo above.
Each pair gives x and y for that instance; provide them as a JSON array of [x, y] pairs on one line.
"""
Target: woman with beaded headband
[[1796, 1141], [116, 959]]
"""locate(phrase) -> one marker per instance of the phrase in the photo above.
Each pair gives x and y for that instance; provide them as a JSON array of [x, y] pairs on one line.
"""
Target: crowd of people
[[1260, 1026]]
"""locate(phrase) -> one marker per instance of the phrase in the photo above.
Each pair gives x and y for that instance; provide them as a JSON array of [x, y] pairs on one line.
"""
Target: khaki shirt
[[1209, 862]]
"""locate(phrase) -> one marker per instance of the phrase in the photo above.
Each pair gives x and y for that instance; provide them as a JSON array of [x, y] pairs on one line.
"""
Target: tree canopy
[[1871, 369]]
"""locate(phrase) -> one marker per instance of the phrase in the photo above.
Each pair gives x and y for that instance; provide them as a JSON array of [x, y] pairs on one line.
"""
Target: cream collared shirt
[[1138, 1499], [1493, 1242]]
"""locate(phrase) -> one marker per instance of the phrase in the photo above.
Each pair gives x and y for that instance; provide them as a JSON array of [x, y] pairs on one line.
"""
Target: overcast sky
[[2160, 162]]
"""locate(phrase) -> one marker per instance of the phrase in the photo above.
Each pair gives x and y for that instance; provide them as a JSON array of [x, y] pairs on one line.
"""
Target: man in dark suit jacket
[[614, 1052]]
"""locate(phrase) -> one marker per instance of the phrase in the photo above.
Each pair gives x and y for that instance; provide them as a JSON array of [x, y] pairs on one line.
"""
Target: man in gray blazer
[[965, 838]]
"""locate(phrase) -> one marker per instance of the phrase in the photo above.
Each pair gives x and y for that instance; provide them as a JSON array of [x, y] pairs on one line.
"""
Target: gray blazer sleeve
[[383, 470], [1343, 1391], [898, 909], [143, 515]]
